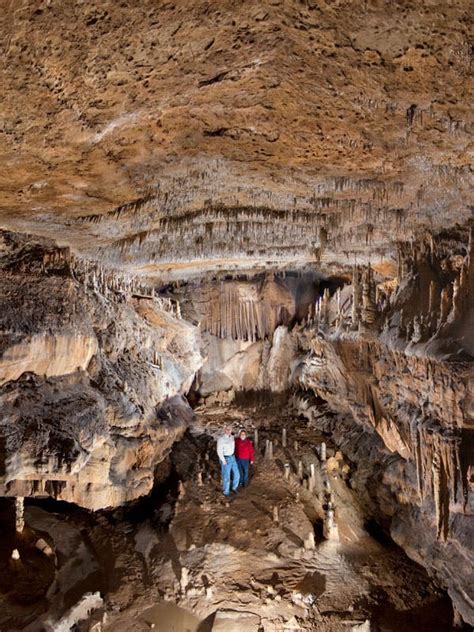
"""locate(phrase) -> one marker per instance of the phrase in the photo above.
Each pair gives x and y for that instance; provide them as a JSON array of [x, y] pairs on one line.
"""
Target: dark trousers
[[244, 471]]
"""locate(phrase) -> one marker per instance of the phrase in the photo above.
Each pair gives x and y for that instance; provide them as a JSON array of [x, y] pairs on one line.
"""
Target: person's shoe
[[234, 492]]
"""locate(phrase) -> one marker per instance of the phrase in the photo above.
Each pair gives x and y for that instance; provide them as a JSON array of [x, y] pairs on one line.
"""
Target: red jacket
[[244, 449]]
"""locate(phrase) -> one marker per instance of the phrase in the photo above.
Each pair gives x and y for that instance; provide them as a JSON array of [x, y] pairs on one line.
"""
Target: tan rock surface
[[47, 355]]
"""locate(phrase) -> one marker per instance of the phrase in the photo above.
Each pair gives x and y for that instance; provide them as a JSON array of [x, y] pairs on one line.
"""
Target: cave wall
[[398, 366], [91, 384]]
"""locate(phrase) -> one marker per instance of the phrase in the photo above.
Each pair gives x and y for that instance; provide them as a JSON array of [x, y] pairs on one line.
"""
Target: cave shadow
[[207, 624]]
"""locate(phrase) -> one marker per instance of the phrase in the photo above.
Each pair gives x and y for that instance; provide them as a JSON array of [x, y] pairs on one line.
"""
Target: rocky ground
[[259, 561]]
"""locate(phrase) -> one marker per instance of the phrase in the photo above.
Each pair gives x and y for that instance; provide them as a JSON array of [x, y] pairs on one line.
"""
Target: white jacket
[[225, 447]]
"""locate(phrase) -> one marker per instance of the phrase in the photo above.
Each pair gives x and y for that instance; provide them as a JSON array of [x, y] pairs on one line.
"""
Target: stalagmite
[[457, 303], [255, 439], [276, 514], [300, 470], [322, 451], [312, 478], [15, 554], [417, 334], [330, 530], [309, 542], [287, 471], [444, 306], [325, 306], [356, 297], [19, 514], [295, 445], [283, 438], [199, 479], [269, 449], [369, 305], [433, 301]]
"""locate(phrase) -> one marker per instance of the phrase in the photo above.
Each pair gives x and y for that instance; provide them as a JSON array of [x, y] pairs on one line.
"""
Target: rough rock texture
[[81, 427], [416, 396], [234, 134]]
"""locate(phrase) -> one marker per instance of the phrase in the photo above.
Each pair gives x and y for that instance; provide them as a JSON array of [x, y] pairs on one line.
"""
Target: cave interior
[[255, 215]]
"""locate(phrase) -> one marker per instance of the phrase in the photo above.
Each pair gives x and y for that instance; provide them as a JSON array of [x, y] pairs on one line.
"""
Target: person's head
[[242, 434], [228, 430]]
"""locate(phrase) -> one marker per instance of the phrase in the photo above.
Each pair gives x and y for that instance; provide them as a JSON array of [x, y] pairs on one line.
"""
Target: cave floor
[[174, 559]]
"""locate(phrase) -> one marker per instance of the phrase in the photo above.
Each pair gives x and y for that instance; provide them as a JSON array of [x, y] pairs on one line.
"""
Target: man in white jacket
[[225, 452]]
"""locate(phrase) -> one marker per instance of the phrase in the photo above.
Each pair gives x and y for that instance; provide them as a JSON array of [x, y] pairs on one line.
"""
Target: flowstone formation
[[208, 204]]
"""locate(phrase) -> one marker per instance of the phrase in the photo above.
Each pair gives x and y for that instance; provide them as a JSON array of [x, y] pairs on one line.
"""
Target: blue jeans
[[244, 471], [230, 466]]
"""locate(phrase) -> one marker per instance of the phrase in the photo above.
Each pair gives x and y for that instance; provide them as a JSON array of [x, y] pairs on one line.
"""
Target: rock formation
[[204, 203]]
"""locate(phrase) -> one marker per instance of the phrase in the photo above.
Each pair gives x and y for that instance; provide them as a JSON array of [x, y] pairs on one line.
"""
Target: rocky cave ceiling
[[164, 136]]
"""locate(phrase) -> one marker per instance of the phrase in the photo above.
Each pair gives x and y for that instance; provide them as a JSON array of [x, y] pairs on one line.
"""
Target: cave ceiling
[[189, 136]]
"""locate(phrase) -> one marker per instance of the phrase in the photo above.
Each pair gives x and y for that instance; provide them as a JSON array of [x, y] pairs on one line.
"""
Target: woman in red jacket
[[245, 455]]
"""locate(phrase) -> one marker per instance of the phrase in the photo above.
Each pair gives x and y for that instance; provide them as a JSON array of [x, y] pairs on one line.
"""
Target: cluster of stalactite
[[244, 311], [118, 284], [37, 487], [192, 217], [223, 232], [439, 469], [446, 287], [419, 116], [255, 232], [444, 290], [420, 411], [362, 309], [177, 193], [416, 404], [105, 281]]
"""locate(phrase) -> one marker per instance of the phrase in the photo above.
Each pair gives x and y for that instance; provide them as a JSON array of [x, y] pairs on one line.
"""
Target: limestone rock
[[235, 621]]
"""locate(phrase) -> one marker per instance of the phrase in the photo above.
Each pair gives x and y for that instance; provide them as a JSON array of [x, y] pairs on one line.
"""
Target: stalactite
[[417, 334], [444, 306], [356, 296], [369, 304], [433, 303]]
